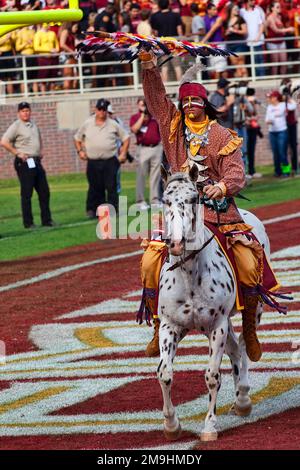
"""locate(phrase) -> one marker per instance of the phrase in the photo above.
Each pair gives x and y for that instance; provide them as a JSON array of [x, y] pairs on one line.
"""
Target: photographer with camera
[[223, 102], [148, 156], [287, 89]]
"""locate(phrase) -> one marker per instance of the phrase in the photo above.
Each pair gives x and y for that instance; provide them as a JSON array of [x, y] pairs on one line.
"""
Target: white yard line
[[66, 269], [281, 218]]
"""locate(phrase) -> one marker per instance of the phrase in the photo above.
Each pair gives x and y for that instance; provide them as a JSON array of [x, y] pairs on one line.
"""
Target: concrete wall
[[58, 121]]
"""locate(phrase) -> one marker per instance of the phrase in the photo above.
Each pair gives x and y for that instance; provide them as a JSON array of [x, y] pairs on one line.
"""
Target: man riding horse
[[192, 136]]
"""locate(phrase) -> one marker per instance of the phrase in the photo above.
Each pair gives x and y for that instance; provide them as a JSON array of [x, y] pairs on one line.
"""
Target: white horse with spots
[[199, 294]]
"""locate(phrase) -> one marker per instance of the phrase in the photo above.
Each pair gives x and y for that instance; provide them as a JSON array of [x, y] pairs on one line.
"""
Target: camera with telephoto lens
[[238, 90]]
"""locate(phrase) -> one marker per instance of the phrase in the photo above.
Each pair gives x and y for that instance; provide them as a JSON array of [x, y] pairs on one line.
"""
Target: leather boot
[[253, 347], [152, 349]]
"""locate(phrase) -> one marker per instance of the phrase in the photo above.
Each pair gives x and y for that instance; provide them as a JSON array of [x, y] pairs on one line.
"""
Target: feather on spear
[[126, 46]]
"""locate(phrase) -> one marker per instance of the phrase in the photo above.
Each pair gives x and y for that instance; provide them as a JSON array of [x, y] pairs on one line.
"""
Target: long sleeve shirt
[[24, 41], [228, 168], [277, 116], [45, 41]]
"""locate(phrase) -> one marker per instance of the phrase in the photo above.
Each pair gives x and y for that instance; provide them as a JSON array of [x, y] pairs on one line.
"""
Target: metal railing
[[91, 73]]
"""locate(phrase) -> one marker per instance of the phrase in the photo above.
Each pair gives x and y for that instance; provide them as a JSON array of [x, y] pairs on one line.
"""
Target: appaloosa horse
[[199, 294]]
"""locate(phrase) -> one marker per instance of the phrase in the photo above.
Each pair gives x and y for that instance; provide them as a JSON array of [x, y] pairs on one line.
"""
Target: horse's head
[[181, 200]]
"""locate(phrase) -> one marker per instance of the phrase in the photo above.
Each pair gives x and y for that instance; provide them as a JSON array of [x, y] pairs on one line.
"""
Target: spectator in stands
[[254, 17], [104, 20], [144, 27], [186, 16], [9, 5], [46, 45], [32, 5], [124, 17], [135, 17], [87, 6], [167, 23], [97, 143], [236, 30], [91, 22], [276, 119], [213, 33], [275, 35], [67, 44], [24, 38], [7, 62], [223, 103], [149, 154], [198, 25]]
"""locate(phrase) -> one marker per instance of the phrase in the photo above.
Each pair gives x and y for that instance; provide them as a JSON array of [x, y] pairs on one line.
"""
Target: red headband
[[192, 89]]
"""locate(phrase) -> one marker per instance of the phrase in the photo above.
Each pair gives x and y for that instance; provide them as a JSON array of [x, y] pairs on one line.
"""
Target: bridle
[[183, 260]]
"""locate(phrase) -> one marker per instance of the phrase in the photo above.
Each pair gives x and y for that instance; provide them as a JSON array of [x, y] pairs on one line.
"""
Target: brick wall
[[59, 152]]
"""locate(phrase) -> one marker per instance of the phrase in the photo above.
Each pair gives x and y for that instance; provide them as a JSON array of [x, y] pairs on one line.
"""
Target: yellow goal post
[[18, 19]]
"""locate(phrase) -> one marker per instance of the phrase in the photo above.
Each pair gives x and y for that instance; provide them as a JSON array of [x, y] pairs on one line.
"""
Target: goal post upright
[[18, 19]]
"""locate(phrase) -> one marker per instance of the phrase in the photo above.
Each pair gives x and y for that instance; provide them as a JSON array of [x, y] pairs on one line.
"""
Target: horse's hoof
[[173, 435], [243, 412], [209, 436]]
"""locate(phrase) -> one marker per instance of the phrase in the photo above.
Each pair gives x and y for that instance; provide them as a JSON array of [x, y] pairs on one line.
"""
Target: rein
[[177, 177]]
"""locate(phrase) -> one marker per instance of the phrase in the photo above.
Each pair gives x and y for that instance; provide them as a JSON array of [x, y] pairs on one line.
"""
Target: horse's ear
[[194, 173], [163, 173]]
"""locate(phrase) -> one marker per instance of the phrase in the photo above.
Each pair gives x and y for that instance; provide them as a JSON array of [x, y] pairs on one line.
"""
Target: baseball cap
[[23, 105], [223, 83], [274, 94], [102, 104]]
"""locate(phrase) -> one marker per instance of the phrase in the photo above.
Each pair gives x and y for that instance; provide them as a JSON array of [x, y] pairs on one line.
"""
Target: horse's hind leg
[[217, 342], [169, 337], [242, 405], [244, 385]]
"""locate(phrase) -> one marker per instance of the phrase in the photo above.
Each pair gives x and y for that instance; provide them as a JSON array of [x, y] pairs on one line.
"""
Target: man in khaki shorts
[[23, 139], [97, 142]]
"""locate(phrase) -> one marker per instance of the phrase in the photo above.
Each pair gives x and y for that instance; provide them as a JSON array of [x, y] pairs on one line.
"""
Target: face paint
[[196, 104]]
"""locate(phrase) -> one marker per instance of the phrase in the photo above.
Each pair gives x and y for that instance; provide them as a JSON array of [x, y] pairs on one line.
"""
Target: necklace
[[193, 139]]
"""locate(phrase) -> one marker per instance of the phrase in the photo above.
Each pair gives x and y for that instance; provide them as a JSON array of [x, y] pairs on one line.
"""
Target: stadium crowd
[[261, 24]]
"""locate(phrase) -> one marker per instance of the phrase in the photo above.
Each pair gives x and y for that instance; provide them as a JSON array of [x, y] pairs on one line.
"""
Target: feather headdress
[[126, 46], [191, 73]]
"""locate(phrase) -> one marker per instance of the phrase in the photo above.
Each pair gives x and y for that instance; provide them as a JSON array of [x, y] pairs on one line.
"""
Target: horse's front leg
[[217, 342], [169, 337]]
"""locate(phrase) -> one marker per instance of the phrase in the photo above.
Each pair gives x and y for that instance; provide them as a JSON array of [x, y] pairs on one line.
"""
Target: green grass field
[[68, 195]]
